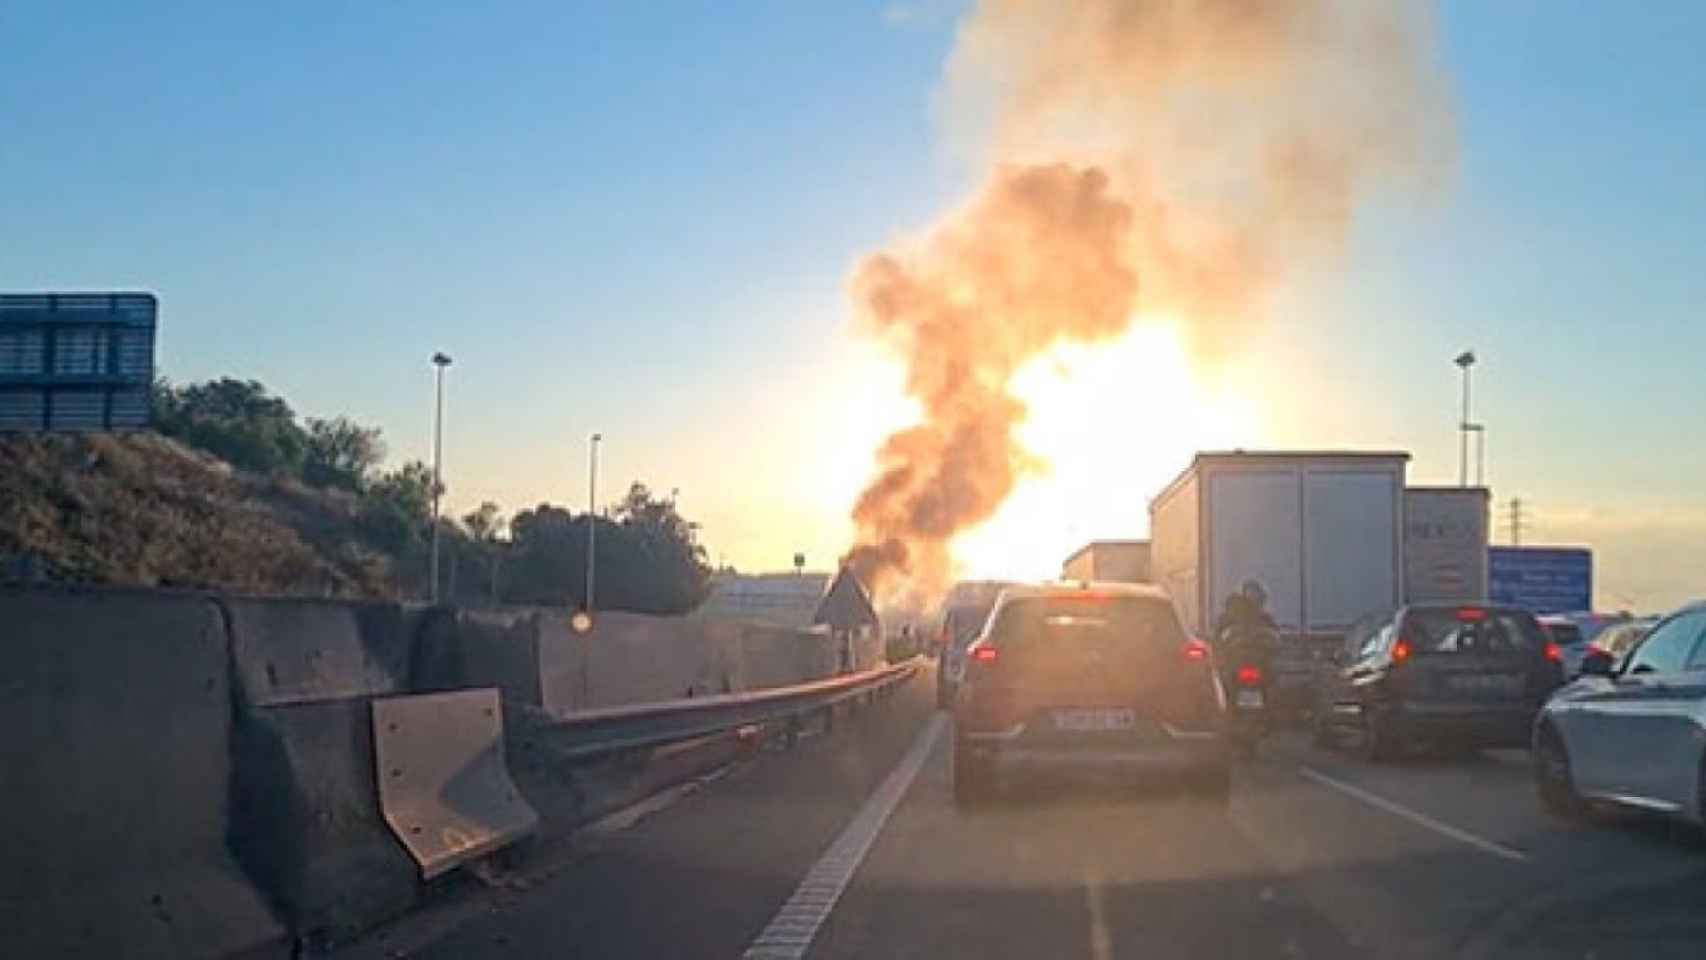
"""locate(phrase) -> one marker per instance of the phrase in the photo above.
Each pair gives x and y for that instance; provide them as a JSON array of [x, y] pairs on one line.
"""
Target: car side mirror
[[1596, 663]]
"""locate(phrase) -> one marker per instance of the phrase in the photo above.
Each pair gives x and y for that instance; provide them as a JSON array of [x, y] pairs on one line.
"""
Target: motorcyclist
[[1246, 634]]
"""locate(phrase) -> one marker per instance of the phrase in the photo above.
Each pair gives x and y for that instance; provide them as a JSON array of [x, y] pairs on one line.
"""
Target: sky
[[639, 219]]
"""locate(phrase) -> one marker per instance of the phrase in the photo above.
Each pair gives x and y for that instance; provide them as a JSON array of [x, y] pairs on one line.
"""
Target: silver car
[[1631, 733]]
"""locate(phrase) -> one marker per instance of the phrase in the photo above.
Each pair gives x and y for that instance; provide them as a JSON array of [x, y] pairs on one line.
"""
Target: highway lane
[[1318, 855]]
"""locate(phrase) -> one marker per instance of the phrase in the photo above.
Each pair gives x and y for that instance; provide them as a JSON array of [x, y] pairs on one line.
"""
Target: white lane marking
[[1420, 819], [1101, 942], [790, 933]]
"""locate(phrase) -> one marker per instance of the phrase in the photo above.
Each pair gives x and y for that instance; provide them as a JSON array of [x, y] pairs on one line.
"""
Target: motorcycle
[[1245, 680]]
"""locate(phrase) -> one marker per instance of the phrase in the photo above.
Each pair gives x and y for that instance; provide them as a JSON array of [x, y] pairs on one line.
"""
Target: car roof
[[1460, 604], [1081, 588]]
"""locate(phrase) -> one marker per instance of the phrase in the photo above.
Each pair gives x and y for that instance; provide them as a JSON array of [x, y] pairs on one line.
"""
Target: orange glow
[[1108, 426]]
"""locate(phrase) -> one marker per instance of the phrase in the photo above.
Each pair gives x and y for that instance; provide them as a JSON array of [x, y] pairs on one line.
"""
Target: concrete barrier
[[537, 660], [305, 810], [469, 648], [304, 651], [443, 785], [115, 719]]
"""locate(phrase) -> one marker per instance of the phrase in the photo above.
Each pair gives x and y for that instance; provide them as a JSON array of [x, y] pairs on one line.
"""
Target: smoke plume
[[1174, 157]]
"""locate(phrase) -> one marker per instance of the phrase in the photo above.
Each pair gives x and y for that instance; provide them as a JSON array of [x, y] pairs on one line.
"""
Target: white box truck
[[1445, 543], [1322, 532]]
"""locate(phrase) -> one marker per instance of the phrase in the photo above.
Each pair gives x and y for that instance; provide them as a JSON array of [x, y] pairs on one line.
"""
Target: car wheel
[[973, 778], [1552, 778], [1377, 744]]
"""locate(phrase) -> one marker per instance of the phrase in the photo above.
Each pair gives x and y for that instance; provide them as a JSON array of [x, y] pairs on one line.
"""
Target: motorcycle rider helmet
[[1253, 592]]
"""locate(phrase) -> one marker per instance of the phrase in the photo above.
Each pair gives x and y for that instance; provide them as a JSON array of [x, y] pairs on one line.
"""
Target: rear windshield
[[1472, 630], [1118, 624], [1565, 634]]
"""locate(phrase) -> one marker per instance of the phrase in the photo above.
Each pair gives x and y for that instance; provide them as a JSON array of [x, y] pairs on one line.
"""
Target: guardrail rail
[[591, 734]]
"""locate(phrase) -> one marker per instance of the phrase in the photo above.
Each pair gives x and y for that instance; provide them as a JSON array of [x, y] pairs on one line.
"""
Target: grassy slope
[[148, 511]]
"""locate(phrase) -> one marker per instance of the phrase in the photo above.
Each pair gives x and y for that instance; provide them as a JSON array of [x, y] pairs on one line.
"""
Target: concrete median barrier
[[115, 719], [305, 811], [443, 785], [304, 651], [537, 660], [457, 649]]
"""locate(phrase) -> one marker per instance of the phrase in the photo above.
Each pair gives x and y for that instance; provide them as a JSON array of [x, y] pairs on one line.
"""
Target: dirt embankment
[[145, 510]]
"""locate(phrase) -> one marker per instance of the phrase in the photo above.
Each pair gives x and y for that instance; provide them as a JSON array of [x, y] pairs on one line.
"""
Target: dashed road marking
[[1415, 817], [790, 933]]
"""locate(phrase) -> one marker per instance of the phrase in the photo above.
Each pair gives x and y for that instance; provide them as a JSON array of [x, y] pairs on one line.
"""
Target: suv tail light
[[1401, 651], [1554, 653]]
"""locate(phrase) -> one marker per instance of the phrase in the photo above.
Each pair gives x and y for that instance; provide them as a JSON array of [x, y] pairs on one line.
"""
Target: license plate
[[1499, 683], [1249, 698], [1095, 720]]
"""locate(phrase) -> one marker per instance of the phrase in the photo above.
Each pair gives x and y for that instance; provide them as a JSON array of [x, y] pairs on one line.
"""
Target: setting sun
[[1109, 426]]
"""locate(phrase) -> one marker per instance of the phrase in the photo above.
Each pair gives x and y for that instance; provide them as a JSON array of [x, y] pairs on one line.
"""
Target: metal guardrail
[[595, 733]]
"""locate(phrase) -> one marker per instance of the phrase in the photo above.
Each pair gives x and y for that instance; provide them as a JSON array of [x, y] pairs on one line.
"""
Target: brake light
[[1471, 614], [984, 654], [1401, 651], [1554, 653], [1196, 650], [1250, 675]]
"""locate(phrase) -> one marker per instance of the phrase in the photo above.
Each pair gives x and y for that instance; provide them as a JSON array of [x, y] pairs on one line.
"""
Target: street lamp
[[1464, 361], [439, 361], [592, 517]]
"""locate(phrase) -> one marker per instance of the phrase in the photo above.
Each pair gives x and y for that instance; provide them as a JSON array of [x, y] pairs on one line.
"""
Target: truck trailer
[[1321, 532]]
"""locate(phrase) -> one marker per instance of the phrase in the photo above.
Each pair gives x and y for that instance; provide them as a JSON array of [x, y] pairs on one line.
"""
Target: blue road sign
[[1541, 579], [76, 361]]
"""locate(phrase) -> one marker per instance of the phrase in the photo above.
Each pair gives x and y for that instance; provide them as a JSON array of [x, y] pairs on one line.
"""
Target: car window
[[1376, 641], [1037, 625], [1565, 634], [1667, 648], [1472, 630], [1619, 640]]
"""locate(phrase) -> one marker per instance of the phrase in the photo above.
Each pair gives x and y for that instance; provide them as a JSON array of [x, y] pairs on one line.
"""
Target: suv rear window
[[1565, 634], [1472, 630], [1124, 625]]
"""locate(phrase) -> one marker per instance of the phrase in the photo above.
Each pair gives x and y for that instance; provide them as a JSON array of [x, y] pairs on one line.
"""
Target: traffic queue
[[1089, 673]]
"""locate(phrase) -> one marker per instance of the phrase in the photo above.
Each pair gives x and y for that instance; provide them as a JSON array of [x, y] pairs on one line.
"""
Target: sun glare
[[1111, 425]]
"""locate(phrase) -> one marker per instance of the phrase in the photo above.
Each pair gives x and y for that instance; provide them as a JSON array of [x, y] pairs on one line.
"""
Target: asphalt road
[[1318, 855]]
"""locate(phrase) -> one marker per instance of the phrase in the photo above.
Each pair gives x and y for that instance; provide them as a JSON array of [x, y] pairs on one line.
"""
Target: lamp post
[[592, 517], [1464, 361], [439, 361]]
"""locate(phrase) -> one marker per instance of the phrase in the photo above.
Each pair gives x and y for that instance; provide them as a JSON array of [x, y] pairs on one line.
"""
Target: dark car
[[964, 613], [1463, 676], [1092, 676]]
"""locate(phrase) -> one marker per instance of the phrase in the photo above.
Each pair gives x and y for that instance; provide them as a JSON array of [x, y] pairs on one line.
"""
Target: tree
[[666, 555], [341, 453], [396, 507], [649, 560], [235, 420], [484, 523]]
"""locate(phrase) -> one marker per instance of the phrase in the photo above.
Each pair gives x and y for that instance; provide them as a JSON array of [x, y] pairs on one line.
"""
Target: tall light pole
[[440, 361], [1464, 361], [592, 516]]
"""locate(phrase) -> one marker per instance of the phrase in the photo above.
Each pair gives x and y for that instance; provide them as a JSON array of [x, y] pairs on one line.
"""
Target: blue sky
[[638, 219]]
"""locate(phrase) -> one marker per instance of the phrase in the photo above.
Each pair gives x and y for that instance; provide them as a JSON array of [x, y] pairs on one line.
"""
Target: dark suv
[[1452, 675], [1096, 676]]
